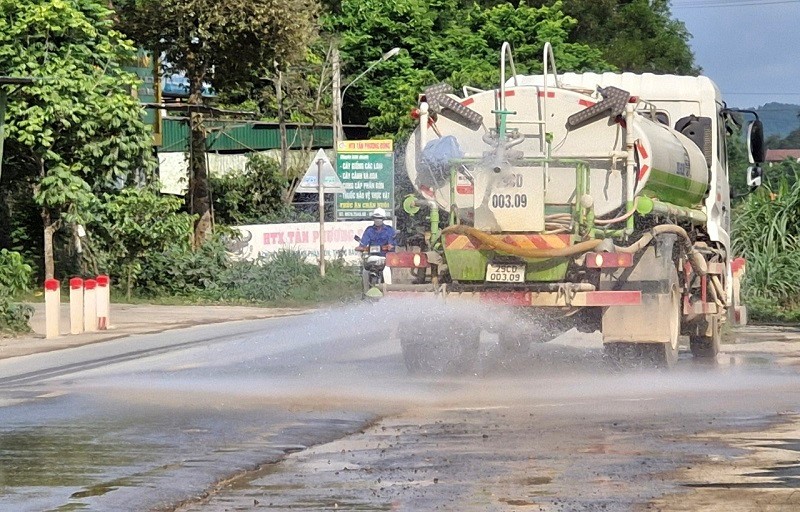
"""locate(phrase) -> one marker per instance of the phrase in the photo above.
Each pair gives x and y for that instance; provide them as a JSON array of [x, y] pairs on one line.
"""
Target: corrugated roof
[[244, 136], [779, 155]]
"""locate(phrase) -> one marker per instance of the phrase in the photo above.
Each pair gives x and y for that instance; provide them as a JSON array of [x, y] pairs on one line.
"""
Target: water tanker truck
[[593, 200]]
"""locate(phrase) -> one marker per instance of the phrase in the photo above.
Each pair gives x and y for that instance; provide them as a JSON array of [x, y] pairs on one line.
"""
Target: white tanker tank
[[514, 185]]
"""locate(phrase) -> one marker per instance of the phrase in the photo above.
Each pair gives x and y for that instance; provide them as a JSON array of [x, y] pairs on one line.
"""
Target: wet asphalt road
[[317, 413]]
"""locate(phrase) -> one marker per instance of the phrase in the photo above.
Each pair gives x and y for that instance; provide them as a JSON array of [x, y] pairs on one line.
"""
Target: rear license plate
[[505, 273]]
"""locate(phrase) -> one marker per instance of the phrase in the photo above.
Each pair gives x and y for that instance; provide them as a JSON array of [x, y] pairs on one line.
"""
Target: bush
[[286, 277], [15, 277], [767, 234]]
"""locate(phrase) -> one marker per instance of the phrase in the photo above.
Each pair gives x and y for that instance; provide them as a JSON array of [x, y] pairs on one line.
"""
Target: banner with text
[[263, 239], [366, 170]]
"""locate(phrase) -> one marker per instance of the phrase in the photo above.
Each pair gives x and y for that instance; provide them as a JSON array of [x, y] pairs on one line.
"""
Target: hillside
[[779, 118]]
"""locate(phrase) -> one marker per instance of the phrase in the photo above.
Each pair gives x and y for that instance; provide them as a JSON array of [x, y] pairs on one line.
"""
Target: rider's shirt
[[379, 236]]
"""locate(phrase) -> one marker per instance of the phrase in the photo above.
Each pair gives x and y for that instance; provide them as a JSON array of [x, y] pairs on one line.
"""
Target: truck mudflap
[[555, 298], [738, 311]]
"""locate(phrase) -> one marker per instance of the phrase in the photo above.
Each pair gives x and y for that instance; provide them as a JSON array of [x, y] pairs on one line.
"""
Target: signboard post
[[147, 70], [366, 171], [320, 177]]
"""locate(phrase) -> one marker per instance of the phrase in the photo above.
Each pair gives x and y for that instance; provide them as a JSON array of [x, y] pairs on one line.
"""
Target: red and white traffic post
[[52, 308], [90, 305], [103, 302], [76, 305]]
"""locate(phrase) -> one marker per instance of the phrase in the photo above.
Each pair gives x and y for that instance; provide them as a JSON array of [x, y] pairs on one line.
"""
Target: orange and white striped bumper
[[528, 241]]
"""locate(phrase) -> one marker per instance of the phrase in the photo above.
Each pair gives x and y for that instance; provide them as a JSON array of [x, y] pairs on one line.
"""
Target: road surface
[[317, 413]]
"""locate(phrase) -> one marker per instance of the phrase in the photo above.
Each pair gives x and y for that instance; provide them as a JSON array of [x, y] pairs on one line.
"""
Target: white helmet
[[378, 213]]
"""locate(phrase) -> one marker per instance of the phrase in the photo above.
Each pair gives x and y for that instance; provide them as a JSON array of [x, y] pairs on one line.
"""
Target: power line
[[761, 93], [732, 3]]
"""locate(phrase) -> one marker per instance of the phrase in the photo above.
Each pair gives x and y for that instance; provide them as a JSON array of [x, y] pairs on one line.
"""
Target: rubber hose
[[522, 252], [696, 259]]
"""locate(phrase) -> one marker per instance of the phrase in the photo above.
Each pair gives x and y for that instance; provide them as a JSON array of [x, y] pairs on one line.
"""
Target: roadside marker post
[[52, 308], [76, 305], [90, 305], [321, 177], [103, 302]]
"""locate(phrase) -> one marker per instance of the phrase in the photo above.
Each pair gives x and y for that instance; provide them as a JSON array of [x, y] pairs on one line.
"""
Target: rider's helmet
[[378, 213]]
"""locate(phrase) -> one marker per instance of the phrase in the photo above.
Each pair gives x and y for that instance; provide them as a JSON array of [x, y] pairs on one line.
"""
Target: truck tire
[[647, 335], [432, 347], [707, 346]]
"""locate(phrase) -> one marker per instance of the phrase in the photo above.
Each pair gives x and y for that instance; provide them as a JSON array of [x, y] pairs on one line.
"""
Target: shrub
[[15, 277], [767, 234]]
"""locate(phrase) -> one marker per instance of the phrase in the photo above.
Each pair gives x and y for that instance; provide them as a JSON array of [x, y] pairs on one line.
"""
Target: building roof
[[779, 155]]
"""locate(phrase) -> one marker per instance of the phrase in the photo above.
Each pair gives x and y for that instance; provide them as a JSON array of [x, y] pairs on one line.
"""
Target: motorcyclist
[[378, 234]]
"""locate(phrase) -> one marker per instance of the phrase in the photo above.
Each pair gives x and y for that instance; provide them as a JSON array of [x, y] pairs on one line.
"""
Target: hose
[[604, 222], [696, 259], [522, 252]]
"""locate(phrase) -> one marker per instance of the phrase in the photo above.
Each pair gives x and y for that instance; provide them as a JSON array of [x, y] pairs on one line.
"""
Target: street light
[[386, 56]]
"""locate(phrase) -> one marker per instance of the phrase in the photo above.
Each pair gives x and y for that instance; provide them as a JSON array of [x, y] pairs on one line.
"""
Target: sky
[[750, 48]]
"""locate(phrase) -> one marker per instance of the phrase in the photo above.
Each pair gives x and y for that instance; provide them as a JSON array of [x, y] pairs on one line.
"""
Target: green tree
[[15, 277], [226, 44], [252, 196], [77, 130], [445, 40], [134, 225], [640, 36]]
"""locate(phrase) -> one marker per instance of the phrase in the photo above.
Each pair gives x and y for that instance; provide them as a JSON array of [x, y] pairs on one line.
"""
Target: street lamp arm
[[386, 56], [356, 79]]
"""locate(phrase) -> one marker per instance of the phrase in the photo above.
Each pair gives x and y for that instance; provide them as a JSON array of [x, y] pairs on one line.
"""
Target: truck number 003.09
[[509, 200], [505, 273]]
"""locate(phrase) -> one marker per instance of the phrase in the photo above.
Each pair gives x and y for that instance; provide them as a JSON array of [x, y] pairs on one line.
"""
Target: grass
[[767, 234]]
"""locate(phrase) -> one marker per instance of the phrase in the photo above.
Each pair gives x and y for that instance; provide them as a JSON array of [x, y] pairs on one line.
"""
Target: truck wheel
[[707, 346], [432, 347], [653, 354], [647, 334]]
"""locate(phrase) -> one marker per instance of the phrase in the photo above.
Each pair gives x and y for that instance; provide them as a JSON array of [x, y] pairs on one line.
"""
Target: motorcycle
[[373, 263]]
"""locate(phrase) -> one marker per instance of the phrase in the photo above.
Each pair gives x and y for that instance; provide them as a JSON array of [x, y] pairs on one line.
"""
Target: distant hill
[[779, 118]]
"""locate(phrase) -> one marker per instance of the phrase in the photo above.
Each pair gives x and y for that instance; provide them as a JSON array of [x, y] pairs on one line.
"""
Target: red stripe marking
[[468, 101], [642, 151], [466, 190], [508, 93], [427, 191], [102, 280], [611, 298], [737, 264], [51, 285], [90, 284], [76, 283], [550, 94], [539, 242], [507, 298], [643, 170], [586, 103]]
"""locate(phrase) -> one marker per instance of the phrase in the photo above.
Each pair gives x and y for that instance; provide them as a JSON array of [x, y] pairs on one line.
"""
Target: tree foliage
[[444, 40], [15, 277], [252, 196], [227, 44], [640, 36], [791, 141], [134, 225], [77, 130]]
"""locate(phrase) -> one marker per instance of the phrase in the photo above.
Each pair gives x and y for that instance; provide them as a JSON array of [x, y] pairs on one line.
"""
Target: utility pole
[[338, 131], [321, 185]]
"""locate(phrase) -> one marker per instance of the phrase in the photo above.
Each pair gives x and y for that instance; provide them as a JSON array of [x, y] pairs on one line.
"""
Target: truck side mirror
[[754, 175], [756, 151]]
